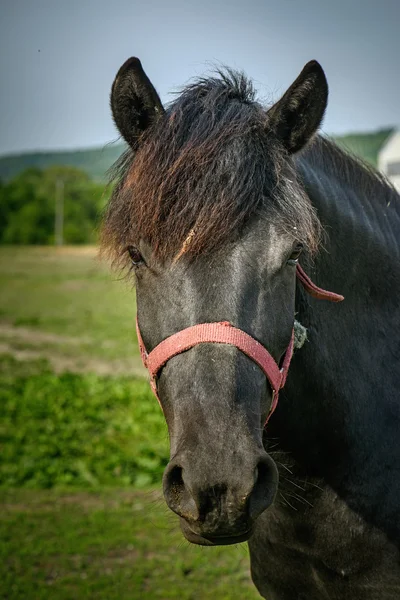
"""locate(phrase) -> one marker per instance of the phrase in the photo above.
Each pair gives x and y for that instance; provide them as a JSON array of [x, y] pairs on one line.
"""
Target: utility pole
[[59, 213]]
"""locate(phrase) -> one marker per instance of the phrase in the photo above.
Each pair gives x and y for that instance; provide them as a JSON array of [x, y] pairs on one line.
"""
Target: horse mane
[[363, 178], [207, 166]]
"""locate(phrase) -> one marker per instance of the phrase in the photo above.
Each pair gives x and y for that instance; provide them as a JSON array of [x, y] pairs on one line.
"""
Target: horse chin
[[209, 540]]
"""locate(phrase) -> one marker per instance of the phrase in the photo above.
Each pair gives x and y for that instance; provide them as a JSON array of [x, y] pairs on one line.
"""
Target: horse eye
[[135, 256], [294, 257]]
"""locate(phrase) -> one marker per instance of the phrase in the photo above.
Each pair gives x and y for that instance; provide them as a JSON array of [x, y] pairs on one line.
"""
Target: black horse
[[215, 201]]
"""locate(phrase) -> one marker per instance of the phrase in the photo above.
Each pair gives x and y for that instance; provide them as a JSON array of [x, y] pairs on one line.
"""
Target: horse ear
[[135, 103], [298, 114]]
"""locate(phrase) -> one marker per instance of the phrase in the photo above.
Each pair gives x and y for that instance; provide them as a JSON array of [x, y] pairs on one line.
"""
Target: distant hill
[[96, 161], [365, 145]]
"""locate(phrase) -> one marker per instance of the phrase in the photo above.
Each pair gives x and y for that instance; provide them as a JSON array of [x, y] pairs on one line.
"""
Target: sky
[[58, 59]]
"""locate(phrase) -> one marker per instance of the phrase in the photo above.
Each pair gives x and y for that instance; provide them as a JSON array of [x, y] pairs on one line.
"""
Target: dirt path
[[61, 362], [35, 336], [21, 500]]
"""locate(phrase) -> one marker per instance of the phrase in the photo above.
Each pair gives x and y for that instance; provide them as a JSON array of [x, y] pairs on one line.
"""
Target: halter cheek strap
[[224, 333]]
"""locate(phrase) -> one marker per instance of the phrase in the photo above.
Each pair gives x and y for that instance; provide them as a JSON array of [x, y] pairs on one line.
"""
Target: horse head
[[210, 215]]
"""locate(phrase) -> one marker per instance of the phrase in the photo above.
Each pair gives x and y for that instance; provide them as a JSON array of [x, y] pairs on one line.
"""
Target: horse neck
[[360, 214], [340, 398]]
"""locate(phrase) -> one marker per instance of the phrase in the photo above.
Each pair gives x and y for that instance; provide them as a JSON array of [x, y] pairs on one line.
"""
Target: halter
[[224, 333]]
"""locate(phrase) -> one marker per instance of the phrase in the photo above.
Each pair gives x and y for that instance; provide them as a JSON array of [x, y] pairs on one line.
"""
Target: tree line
[[28, 206]]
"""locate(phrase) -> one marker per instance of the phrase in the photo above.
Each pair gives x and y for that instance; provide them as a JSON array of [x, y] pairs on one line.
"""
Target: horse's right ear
[[135, 103]]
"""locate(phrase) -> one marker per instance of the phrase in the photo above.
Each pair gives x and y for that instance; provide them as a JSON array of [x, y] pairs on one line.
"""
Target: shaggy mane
[[209, 164]]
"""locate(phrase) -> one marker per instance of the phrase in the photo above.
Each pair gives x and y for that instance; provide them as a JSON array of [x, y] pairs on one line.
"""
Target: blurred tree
[[27, 206]]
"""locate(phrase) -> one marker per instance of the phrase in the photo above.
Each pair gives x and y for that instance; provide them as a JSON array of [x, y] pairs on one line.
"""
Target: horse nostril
[[265, 482], [176, 478], [174, 485], [177, 495]]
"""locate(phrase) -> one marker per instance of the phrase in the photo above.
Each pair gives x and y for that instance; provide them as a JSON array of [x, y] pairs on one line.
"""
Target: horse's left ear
[[298, 114], [135, 103]]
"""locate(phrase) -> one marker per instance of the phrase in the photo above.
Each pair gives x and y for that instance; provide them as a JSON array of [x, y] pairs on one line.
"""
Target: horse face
[[214, 167], [215, 399]]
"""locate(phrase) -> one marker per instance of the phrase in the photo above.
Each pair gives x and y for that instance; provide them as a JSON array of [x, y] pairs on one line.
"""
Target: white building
[[389, 158]]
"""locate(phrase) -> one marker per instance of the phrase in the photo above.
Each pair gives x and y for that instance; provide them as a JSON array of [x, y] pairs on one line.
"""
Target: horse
[[222, 209]]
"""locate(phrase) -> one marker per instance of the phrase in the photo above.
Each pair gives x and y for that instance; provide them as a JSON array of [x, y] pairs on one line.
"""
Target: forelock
[[208, 165]]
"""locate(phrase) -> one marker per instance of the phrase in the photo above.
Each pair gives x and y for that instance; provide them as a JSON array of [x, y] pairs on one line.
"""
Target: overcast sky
[[58, 58]]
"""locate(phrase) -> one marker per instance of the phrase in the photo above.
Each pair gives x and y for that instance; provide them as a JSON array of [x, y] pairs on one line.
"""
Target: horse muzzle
[[220, 507]]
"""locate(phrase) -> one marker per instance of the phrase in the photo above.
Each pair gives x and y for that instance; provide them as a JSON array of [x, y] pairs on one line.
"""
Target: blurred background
[[83, 443]]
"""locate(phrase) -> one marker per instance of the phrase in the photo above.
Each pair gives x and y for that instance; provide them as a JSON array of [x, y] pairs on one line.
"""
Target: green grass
[[70, 294], [109, 545]]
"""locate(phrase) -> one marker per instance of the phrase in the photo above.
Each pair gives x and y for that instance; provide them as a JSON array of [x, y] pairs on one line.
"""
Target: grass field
[[65, 305], [77, 418], [109, 545]]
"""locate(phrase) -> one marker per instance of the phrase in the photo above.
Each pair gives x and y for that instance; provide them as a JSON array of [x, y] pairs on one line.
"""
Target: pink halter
[[225, 333]]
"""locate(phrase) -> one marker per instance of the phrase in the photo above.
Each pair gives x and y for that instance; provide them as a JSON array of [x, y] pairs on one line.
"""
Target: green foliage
[[81, 430], [27, 204]]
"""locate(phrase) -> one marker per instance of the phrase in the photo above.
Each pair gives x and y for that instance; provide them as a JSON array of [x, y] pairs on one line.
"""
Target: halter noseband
[[224, 333]]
